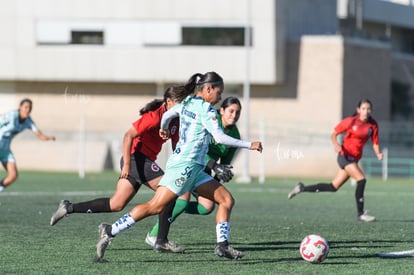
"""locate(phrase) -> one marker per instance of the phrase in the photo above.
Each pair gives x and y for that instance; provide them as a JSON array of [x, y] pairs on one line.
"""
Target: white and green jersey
[[10, 126], [198, 123]]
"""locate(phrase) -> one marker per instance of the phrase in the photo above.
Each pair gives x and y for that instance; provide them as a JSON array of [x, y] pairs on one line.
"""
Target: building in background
[[90, 65]]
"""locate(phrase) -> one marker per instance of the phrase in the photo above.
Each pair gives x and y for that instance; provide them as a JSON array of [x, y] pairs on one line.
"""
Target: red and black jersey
[[357, 132], [147, 126]]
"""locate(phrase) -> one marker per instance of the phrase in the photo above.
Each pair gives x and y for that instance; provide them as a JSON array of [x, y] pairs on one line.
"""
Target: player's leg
[[161, 230], [216, 192], [107, 232], [124, 192], [356, 173], [202, 206], [340, 178], [10, 166]]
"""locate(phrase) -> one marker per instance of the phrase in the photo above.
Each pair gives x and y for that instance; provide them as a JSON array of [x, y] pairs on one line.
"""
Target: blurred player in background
[[185, 167], [11, 124], [141, 145], [358, 129], [219, 158]]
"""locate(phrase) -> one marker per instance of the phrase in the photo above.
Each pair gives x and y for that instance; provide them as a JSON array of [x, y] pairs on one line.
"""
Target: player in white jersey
[[185, 168], [11, 124]]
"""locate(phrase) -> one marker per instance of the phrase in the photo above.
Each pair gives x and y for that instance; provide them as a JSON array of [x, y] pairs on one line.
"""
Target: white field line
[[238, 190]]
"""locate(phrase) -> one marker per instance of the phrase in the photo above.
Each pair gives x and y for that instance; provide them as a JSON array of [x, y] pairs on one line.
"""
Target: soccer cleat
[[168, 246], [366, 218], [150, 240], [228, 252], [105, 239], [61, 212], [298, 189]]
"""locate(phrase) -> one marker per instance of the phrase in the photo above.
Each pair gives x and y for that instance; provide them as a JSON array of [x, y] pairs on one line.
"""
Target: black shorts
[[344, 160], [142, 170]]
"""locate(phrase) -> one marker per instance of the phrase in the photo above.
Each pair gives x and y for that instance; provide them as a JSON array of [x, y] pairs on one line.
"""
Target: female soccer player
[[358, 129], [141, 145], [185, 167], [11, 124], [228, 115]]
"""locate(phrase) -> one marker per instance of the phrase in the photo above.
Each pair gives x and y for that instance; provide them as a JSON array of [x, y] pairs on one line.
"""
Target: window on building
[[213, 36], [87, 37]]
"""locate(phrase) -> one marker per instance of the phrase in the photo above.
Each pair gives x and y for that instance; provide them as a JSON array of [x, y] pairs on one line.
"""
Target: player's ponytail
[[151, 106]]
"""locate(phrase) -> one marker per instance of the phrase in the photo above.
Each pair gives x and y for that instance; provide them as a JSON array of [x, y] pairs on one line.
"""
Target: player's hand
[[380, 156], [223, 172], [338, 148], [256, 145], [164, 133], [124, 172]]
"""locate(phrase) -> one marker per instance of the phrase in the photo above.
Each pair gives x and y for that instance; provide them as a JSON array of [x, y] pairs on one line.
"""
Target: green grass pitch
[[266, 226]]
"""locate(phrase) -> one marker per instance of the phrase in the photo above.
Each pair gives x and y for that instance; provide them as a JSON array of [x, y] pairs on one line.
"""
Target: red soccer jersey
[[147, 126], [357, 133]]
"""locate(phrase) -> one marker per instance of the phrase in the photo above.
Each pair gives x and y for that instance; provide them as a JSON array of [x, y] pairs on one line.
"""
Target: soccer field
[[266, 226]]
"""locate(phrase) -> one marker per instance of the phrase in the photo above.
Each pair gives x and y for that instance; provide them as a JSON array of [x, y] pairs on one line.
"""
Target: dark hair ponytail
[[212, 78], [175, 93], [151, 106]]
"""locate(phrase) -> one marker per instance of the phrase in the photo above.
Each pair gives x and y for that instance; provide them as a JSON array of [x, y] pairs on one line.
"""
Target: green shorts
[[184, 177], [6, 156]]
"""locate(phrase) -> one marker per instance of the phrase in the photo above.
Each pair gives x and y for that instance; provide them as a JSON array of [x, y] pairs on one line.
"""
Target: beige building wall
[[294, 120]]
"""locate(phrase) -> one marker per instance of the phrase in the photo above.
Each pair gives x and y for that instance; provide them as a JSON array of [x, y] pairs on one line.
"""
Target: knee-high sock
[[196, 208], [123, 223], [359, 196], [164, 221], [180, 206], [223, 232], [93, 206], [320, 187]]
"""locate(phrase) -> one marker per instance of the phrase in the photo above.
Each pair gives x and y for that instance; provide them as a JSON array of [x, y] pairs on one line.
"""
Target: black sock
[[1, 182], [164, 221], [320, 187], [359, 196], [93, 206]]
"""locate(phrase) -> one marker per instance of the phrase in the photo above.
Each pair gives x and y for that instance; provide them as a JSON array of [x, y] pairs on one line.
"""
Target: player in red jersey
[[141, 145], [358, 129]]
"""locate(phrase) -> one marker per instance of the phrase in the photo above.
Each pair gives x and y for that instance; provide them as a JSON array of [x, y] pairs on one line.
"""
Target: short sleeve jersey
[[220, 152], [197, 120], [149, 141], [357, 133], [10, 126]]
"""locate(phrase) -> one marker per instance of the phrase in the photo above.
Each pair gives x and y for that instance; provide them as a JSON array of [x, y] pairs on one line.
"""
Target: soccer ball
[[314, 248]]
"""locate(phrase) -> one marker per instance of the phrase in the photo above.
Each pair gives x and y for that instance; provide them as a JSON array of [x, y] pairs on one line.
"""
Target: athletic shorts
[[184, 177], [142, 170], [344, 160], [6, 156]]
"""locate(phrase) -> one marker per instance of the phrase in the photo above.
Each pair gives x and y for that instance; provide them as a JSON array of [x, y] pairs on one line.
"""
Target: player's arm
[[126, 150], [42, 136], [377, 151], [166, 119], [212, 125], [375, 143], [334, 139]]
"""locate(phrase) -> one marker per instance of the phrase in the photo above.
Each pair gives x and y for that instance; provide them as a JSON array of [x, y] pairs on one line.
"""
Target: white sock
[[125, 222], [222, 231], [1, 188]]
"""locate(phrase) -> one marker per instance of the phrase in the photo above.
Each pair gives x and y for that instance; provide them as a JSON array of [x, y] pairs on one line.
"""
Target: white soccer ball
[[314, 248]]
